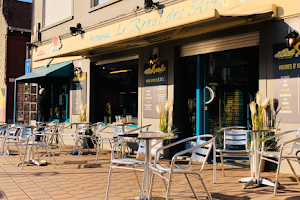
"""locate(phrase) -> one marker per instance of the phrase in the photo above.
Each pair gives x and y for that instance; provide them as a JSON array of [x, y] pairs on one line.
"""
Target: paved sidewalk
[[84, 178]]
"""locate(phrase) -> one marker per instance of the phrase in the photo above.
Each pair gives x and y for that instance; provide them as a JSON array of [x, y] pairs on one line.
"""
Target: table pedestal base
[[38, 162], [253, 181], [152, 198]]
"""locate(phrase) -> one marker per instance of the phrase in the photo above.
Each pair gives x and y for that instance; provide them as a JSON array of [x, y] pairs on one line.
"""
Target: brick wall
[[16, 55]]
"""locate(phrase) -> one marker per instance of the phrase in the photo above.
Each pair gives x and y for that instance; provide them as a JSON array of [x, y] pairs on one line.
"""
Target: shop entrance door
[[216, 89], [59, 102]]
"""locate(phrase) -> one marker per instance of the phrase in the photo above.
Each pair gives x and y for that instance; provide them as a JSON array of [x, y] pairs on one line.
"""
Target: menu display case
[[26, 103]]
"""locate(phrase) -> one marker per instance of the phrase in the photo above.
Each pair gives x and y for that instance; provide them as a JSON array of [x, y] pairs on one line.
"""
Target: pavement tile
[[72, 179]]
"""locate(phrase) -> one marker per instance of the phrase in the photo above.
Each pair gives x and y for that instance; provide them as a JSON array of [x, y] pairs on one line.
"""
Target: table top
[[123, 123], [156, 136], [263, 130]]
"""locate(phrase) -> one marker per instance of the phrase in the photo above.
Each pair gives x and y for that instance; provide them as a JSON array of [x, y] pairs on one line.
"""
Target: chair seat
[[128, 161], [15, 141], [161, 168], [233, 151], [275, 154]]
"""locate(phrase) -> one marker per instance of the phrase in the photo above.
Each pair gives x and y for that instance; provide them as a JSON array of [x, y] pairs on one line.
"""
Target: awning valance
[[58, 70]]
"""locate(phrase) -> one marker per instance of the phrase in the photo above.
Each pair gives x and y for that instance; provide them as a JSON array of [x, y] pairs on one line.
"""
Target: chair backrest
[[97, 129], [26, 131], [296, 144], [235, 137], [118, 130], [201, 154]]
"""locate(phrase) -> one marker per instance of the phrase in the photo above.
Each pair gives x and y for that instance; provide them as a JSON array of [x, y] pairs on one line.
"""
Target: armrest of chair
[[118, 144], [139, 128], [157, 153], [277, 135], [287, 142], [189, 150]]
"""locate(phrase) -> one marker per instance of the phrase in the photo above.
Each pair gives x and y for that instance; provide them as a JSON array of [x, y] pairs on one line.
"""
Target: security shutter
[[56, 11], [220, 44]]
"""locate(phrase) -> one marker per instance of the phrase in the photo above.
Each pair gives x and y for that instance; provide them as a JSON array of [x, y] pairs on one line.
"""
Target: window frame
[[99, 6]]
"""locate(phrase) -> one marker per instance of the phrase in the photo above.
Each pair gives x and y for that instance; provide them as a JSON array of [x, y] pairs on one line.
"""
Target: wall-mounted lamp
[[31, 45], [291, 38], [76, 30], [154, 57], [150, 5]]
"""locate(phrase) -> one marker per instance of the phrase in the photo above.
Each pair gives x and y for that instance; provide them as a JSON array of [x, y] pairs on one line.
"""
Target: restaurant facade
[[208, 57]]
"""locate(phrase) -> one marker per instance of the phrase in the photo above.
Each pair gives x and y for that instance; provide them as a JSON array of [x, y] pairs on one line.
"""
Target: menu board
[[79, 93], [153, 96], [26, 102], [286, 90], [155, 88]]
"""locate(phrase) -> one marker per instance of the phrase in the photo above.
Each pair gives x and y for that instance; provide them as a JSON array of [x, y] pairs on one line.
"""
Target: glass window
[[117, 91], [98, 2]]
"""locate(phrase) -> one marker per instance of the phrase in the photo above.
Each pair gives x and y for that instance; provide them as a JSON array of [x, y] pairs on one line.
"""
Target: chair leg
[[26, 149], [37, 153], [19, 153], [137, 178], [97, 150], [53, 155], [164, 181], [151, 184], [50, 157], [206, 190], [277, 176], [191, 186], [292, 168], [108, 182], [5, 149], [169, 186], [222, 162], [214, 165]]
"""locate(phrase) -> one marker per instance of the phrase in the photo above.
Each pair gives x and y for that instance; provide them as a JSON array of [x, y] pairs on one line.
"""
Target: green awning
[[59, 70]]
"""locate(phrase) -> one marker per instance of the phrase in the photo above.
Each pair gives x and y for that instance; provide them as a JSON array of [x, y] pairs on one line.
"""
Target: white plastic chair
[[281, 155], [125, 163], [200, 153], [233, 136]]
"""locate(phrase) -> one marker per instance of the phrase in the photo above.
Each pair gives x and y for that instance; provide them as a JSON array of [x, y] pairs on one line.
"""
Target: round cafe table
[[255, 160], [147, 136]]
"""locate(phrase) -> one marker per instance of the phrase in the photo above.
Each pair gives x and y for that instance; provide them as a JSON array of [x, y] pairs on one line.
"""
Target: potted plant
[[263, 117], [165, 114]]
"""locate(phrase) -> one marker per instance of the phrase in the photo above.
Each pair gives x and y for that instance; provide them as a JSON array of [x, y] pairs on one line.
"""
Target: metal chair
[[278, 157], [234, 136], [47, 137], [118, 130], [124, 163], [200, 153], [8, 133], [19, 140]]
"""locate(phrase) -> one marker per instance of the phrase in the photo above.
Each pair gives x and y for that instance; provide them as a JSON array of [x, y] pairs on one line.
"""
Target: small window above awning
[[58, 70]]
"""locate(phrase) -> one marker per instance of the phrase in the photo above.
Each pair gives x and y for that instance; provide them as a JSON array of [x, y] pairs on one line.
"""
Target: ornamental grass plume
[[164, 116]]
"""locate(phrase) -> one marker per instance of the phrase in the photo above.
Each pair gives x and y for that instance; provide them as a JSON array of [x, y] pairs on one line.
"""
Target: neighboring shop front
[[199, 50]]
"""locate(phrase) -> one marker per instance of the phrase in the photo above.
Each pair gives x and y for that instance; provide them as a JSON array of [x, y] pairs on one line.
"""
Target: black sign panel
[[157, 74], [286, 72]]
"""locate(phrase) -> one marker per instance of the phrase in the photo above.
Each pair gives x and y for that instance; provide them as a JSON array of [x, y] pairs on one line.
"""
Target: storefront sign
[[286, 72], [156, 74], [79, 97], [155, 88]]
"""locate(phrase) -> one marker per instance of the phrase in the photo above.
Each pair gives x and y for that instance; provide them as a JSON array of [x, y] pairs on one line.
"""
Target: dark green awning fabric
[[59, 70]]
